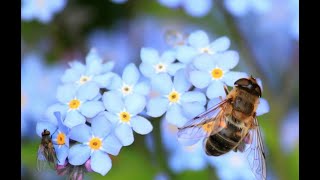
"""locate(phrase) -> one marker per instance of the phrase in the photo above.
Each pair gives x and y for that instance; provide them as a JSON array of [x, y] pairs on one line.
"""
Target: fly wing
[[42, 162], [203, 125], [256, 154]]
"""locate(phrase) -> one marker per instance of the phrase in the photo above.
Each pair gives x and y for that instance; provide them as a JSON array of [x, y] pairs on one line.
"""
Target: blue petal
[[107, 67], [100, 162], [162, 83], [204, 62], [116, 82], [141, 125], [147, 70], [78, 66], [135, 103], [263, 107], [124, 134], [113, 118], [74, 118], [157, 106], [149, 55], [220, 44], [91, 108], [42, 125], [168, 57], [62, 109], [198, 8], [215, 89], [88, 91], [230, 77], [112, 145], [61, 126], [79, 154], [173, 68], [174, 116], [200, 79], [143, 88], [194, 96], [113, 101], [80, 133], [93, 56], [193, 109], [185, 54], [236, 7], [227, 60], [198, 39], [70, 76], [66, 92], [130, 74], [62, 153], [213, 102], [100, 126], [181, 83], [103, 80]]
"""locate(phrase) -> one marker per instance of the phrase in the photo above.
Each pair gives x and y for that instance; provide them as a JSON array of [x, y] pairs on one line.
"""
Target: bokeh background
[[264, 32]]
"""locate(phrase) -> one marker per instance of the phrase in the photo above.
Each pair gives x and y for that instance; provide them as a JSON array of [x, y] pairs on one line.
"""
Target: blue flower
[[175, 99], [42, 10], [198, 8], [242, 7], [153, 65], [290, 131], [119, 1], [59, 134], [181, 158], [37, 83], [95, 142], [123, 112], [214, 72], [79, 103], [94, 72], [129, 84]]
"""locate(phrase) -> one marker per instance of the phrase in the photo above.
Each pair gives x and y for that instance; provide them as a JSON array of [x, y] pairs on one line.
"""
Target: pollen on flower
[[126, 89], [61, 139], [125, 116], [206, 50], [217, 73], [95, 143], [190, 148], [174, 97], [208, 127], [74, 104], [160, 67], [84, 79]]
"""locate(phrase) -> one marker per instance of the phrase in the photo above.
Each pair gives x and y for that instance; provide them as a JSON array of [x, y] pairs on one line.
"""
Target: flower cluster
[[98, 110]]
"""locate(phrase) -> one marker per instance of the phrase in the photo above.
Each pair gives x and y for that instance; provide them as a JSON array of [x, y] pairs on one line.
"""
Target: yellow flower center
[[206, 50], [126, 89], [160, 67], [125, 116], [84, 79], [207, 127], [217, 73], [61, 138], [95, 143], [74, 104], [174, 97]]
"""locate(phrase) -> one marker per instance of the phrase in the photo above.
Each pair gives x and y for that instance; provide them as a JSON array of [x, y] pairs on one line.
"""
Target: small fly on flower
[[46, 152], [72, 172]]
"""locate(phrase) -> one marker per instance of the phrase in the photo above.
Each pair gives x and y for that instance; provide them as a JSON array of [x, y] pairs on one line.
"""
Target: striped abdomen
[[223, 141]]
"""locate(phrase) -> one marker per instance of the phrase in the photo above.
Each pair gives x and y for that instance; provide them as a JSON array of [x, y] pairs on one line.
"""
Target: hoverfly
[[230, 125], [46, 152]]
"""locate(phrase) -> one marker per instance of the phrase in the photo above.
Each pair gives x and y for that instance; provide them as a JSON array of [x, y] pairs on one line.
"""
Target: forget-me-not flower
[[242, 7], [290, 131], [175, 99], [123, 112], [42, 10], [198, 44], [79, 104], [95, 142], [214, 72], [59, 134], [197, 8]]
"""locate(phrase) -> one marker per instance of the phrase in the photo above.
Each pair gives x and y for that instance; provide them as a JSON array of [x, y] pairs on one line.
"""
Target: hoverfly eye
[[242, 82]]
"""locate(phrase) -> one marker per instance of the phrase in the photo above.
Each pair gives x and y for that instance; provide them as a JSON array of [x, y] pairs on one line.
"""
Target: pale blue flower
[[79, 103], [95, 72], [42, 10], [129, 83], [290, 131], [95, 142], [198, 44], [197, 8], [242, 7], [214, 72], [175, 99], [59, 134], [153, 64], [123, 113]]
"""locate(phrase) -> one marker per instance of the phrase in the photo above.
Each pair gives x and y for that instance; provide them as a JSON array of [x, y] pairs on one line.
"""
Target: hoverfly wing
[[42, 162], [256, 154], [203, 125]]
